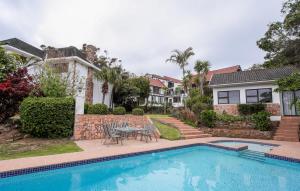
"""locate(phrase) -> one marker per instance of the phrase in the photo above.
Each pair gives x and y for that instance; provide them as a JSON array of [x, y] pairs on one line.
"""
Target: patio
[[95, 149]]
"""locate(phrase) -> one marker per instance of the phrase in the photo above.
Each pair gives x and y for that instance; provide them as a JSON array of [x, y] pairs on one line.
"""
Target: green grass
[[157, 115], [167, 132], [14, 150]]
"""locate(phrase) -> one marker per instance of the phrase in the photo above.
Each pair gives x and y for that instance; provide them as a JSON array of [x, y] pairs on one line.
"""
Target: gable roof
[[167, 78], [156, 82], [67, 52], [21, 45], [260, 75], [226, 70]]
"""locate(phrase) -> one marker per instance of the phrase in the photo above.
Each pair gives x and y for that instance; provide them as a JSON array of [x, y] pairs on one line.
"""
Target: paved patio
[[95, 149]]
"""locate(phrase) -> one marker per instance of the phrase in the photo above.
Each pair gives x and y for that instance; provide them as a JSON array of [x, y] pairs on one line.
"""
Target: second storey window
[[229, 97], [263, 95], [156, 90]]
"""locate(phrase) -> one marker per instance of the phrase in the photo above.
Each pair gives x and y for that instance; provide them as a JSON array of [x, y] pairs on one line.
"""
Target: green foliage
[[281, 41], [48, 117], [249, 109], [230, 118], [208, 118], [86, 107], [130, 91], [137, 111], [289, 83], [119, 111], [262, 120], [7, 64], [98, 108], [52, 84]]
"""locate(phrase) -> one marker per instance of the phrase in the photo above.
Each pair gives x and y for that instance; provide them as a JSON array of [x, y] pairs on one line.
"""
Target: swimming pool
[[254, 146], [192, 168]]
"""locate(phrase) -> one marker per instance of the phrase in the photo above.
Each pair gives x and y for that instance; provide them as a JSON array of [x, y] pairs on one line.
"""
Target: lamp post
[[79, 99]]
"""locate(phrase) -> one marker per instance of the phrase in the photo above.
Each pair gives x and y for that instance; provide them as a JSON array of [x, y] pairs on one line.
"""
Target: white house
[[78, 64], [253, 86], [165, 89]]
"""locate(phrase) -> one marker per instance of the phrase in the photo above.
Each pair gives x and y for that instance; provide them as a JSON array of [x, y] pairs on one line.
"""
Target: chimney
[[90, 52]]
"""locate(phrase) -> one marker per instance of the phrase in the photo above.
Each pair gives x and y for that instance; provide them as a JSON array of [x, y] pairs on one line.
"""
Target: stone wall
[[231, 109], [89, 86], [89, 127], [238, 133]]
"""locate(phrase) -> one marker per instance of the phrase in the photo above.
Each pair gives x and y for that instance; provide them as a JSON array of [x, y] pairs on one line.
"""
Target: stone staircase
[[288, 129], [187, 131]]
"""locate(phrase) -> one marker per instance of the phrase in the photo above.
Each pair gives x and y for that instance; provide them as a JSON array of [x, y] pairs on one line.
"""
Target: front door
[[288, 102]]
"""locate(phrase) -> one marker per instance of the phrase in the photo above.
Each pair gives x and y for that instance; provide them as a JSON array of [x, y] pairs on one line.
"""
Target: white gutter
[[243, 83], [14, 49], [76, 58]]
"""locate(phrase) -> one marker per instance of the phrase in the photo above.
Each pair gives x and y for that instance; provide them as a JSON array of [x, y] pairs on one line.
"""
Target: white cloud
[[143, 32]]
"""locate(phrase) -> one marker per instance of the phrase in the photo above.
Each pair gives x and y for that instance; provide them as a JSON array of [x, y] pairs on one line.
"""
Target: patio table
[[127, 131]]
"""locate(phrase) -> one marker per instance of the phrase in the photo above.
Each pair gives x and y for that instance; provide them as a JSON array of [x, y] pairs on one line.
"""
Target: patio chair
[[111, 134], [147, 132]]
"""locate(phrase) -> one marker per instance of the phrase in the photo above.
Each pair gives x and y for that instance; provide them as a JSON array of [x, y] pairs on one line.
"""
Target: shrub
[[208, 118], [230, 118], [138, 111], [262, 120], [47, 117], [86, 107], [119, 111], [98, 108], [249, 109]]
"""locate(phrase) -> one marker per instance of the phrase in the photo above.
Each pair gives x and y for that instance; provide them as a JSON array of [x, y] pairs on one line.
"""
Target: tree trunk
[[103, 98], [201, 85]]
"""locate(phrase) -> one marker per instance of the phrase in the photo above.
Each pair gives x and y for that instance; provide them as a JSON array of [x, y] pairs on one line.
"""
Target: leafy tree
[[187, 81], [7, 64], [143, 85], [16, 86], [289, 83], [202, 68], [281, 41], [181, 58]]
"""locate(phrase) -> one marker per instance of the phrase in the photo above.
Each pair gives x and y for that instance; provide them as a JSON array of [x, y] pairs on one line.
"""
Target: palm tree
[[187, 81], [106, 76], [202, 68], [181, 58]]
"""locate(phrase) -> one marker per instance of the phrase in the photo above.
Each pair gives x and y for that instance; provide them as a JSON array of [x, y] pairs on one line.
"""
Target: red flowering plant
[[13, 89]]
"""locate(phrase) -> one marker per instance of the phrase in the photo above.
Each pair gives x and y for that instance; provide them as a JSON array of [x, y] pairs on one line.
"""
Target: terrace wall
[[89, 127]]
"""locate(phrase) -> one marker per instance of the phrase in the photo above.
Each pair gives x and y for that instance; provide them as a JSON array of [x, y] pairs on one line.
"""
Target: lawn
[[157, 115], [36, 147], [167, 132]]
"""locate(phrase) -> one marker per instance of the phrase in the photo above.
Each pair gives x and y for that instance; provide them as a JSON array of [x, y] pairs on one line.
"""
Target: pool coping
[[23, 171], [243, 141]]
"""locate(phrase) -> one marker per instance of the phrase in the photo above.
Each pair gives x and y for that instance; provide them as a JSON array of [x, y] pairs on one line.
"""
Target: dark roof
[[19, 44], [67, 52], [252, 76]]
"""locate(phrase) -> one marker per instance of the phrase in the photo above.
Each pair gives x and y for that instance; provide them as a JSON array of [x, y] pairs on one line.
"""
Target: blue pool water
[[251, 145], [195, 168]]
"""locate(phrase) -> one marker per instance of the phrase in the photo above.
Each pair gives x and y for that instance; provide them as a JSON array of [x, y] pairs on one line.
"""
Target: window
[[229, 97], [263, 95], [176, 99], [155, 90]]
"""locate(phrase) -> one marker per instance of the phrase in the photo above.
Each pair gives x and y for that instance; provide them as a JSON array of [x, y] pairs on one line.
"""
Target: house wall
[[274, 107], [97, 92]]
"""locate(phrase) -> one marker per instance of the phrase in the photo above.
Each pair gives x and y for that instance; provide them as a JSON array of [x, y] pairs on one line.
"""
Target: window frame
[[257, 95], [227, 97]]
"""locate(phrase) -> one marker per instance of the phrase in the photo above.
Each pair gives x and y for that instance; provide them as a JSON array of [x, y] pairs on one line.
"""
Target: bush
[[119, 111], [86, 107], [208, 118], [262, 120], [48, 117], [230, 118], [249, 109], [138, 111], [98, 108]]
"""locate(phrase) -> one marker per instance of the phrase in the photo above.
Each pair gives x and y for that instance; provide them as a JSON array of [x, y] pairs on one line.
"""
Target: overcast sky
[[142, 33]]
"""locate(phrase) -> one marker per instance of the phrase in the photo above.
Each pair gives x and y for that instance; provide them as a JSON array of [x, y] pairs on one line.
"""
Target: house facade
[[165, 90], [77, 64], [254, 86]]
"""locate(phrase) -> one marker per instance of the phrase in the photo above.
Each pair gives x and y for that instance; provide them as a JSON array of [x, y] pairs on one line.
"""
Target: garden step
[[192, 133], [197, 136], [284, 138]]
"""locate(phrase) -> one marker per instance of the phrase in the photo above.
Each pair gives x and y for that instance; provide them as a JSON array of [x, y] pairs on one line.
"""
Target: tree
[[187, 81], [16, 86], [181, 58], [282, 39], [202, 68], [106, 75], [7, 64]]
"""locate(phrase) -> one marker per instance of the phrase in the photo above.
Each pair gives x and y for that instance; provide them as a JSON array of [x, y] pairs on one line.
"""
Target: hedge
[[47, 117], [137, 111], [98, 108], [249, 109], [119, 111], [208, 118], [262, 120]]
